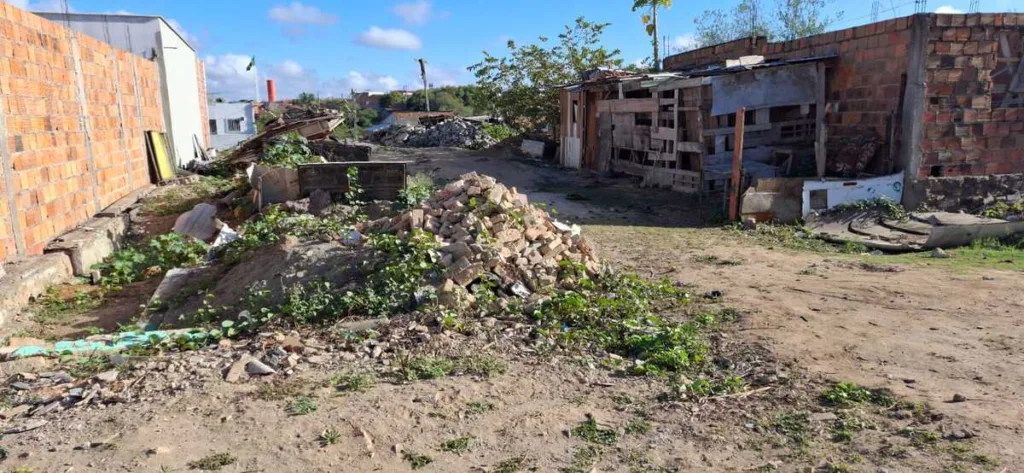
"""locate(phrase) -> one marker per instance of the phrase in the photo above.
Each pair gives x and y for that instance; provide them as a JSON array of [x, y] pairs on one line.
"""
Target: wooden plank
[[737, 160], [820, 130], [628, 106]]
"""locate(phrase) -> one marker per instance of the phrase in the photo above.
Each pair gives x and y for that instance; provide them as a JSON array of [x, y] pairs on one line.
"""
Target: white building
[[231, 123], [183, 85]]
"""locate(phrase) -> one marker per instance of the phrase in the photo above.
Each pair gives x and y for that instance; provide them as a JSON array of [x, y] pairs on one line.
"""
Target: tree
[[791, 19], [366, 117], [523, 86], [393, 99], [651, 23], [305, 98]]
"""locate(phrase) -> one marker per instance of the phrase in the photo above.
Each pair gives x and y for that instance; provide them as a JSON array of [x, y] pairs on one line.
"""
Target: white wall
[[221, 113], [182, 85], [146, 35]]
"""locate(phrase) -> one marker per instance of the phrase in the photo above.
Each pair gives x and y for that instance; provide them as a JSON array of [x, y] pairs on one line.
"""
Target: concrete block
[[30, 278], [90, 243], [122, 205]]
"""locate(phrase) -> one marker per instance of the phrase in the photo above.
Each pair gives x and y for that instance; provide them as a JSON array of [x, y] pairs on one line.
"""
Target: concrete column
[[7, 169], [84, 118], [913, 100]]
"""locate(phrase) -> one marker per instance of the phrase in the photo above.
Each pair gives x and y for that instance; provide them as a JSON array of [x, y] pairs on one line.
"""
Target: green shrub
[[288, 152], [499, 132], [156, 256]]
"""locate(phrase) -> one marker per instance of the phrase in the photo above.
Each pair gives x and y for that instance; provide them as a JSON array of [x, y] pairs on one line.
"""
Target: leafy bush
[[288, 152], [155, 256], [1001, 209], [418, 189], [888, 207], [499, 132]]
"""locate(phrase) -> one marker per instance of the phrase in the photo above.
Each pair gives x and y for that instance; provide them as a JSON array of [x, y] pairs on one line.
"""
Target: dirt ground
[[924, 333]]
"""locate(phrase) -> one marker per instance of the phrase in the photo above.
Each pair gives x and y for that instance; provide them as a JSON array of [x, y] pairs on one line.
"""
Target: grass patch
[[354, 381], [583, 459], [425, 367], [212, 462], [849, 394], [715, 260], [638, 427], [985, 253], [280, 391], [795, 426], [54, 308], [301, 406], [181, 198], [476, 408], [590, 431], [456, 445], [512, 465], [920, 437], [485, 366], [794, 237], [416, 460]]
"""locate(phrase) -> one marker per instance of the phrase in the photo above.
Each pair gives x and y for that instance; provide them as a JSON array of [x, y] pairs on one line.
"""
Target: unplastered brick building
[[945, 91]]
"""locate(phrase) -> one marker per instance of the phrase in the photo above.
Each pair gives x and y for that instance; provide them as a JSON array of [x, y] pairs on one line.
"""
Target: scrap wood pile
[[487, 230], [311, 124], [454, 132]]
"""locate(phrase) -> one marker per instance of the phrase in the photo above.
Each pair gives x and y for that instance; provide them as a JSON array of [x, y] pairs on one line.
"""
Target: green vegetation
[[54, 308], [715, 260], [418, 188], [354, 381], [887, 207], [288, 152], [329, 437], [590, 431], [153, 257], [849, 394], [177, 199], [512, 465], [703, 388], [425, 367], [638, 427], [275, 223], [280, 390], [583, 459], [794, 237], [478, 365], [301, 406], [456, 445], [523, 86], [792, 425], [618, 313], [500, 132], [212, 462], [920, 437], [475, 408], [1006, 254], [785, 20], [417, 460], [84, 367], [1002, 209]]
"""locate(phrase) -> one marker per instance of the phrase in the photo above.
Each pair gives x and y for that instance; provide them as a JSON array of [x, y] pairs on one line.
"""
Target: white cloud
[[948, 10], [227, 78], [684, 42], [41, 6], [417, 12], [297, 13], [190, 38], [389, 39]]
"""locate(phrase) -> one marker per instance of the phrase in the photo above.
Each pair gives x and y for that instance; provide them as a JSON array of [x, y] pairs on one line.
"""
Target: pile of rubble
[[488, 231], [455, 132]]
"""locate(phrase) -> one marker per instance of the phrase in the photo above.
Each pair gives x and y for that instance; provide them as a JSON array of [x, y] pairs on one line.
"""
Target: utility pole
[[423, 75]]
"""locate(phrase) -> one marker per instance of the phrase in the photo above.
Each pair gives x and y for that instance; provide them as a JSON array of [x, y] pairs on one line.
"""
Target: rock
[[107, 376], [46, 409], [960, 434], [750, 223], [22, 386], [237, 368], [319, 200], [25, 427], [257, 367], [939, 253], [316, 359], [15, 411], [158, 451], [23, 365], [959, 398]]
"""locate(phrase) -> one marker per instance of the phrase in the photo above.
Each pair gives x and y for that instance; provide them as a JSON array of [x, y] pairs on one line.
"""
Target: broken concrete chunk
[[200, 223], [257, 367]]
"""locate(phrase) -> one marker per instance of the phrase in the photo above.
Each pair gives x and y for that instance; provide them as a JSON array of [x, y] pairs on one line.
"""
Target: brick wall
[[972, 124], [74, 110], [204, 110]]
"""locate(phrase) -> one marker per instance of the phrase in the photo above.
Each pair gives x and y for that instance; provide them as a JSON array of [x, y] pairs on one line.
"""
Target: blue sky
[[331, 47]]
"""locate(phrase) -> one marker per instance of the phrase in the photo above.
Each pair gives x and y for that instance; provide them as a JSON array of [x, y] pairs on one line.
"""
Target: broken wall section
[[71, 142]]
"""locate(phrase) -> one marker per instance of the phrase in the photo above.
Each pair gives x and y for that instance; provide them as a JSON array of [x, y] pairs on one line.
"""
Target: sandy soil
[[923, 333]]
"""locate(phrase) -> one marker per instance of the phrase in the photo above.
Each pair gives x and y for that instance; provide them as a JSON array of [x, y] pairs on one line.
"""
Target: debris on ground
[[914, 231], [454, 132]]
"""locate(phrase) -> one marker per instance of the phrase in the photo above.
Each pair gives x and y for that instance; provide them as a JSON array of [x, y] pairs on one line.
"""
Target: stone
[[257, 367], [25, 427], [319, 200], [23, 365], [237, 368], [939, 253], [15, 411], [158, 451], [959, 398], [509, 235], [822, 417], [457, 250], [107, 376]]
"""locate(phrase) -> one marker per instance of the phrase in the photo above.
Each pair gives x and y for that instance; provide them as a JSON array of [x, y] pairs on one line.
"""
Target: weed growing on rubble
[[425, 367], [288, 152], [301, 406], [456, 445], [178, 199], [419, 188], [354, 381], [681, 389], [889, 208], [416, 460], [590, 431], [354, 194], [53, 307], [849, 394], [212, 462], [617, 313], [155, 256], [512, 465], [329, 437], [1002, 209]]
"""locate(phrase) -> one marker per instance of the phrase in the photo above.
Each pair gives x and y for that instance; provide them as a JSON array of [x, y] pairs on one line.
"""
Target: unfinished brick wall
[[64, 100], [972, 124], [204, 110], [716, 53]]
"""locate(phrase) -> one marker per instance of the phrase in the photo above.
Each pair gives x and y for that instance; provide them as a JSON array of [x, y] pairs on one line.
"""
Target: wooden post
[[737, 164]]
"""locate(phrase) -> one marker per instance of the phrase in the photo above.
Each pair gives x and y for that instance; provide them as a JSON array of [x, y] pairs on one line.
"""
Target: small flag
[[252, 64]]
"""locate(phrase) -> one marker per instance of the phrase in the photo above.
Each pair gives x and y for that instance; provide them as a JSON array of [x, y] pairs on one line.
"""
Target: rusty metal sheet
[[379, 180]]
